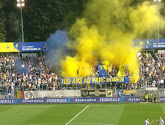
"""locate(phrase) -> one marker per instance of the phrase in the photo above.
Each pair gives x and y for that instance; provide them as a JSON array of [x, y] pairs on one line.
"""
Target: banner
[[120, 92], [129, 91], [92, 80], [150, 43], [162, 92], [22, 46], [97, 93], [20, 94], [72, 100], [52, 94], [109, 93], [84, 93]]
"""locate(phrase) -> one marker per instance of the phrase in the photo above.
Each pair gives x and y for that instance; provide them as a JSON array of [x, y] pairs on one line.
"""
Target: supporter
[[28, 73], [146, 97], [32, 73], [152, 68]]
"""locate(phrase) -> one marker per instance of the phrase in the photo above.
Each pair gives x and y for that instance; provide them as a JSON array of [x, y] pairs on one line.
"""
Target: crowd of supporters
[[32, 73], [152, 69], [29, 73]]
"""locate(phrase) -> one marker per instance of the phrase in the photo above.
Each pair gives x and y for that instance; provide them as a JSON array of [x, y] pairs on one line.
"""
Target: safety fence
[[144, 95]]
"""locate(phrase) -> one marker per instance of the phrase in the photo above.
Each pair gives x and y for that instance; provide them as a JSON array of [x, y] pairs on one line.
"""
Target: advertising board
[[72, 100]]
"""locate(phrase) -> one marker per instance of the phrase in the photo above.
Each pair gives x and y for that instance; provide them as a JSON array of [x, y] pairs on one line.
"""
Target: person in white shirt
[[146, 122], [161, 122]]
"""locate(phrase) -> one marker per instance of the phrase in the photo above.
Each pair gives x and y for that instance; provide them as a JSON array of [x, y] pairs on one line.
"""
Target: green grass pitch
[[81, 114]]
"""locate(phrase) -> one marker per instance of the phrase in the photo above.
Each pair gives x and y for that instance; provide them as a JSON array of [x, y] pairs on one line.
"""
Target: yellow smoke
[[106, 33], [70, 67]]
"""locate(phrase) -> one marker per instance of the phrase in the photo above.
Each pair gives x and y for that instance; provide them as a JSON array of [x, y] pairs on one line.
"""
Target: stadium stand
[[33, 73]]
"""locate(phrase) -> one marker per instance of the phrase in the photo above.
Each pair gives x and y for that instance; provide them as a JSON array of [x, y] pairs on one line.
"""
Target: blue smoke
[[56, 47], [21, 68]]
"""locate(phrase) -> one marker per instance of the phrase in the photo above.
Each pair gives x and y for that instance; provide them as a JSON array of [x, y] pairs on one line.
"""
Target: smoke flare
[[105, 34]]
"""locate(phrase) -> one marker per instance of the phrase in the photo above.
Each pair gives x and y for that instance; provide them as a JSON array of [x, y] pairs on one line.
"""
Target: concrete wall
[[52, 94]]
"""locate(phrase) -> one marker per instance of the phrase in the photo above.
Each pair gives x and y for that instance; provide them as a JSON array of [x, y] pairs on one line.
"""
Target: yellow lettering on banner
[[93, 79], [73, 81], [77, 80], [112, 79], [108, 80], [80, 80], [97, 80], [122, 79], [85, 80], [115, 79], [89, 80], [101, 79], [62, 81], [67, 81], [119, 79]]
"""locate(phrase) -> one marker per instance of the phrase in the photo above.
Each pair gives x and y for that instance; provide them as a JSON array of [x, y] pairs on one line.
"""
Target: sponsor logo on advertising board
[[85, 100], [162, 99], [73, 100], [6, 101], [133, 99], [110, 99], [57, 100]]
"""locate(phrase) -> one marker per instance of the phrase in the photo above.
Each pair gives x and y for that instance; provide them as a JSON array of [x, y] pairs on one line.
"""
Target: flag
[[102, 72]]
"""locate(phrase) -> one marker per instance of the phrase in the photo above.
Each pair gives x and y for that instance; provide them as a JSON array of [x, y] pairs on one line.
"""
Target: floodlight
[[18, 4]]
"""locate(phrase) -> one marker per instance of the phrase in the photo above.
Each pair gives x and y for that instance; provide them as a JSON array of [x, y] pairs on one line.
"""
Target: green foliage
[[2, 23], [41, 17], [12, 24], [44, 17]]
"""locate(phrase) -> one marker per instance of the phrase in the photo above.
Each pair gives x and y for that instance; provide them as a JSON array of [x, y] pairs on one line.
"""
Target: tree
[[2, 23], [43, 19], [12, 24]]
